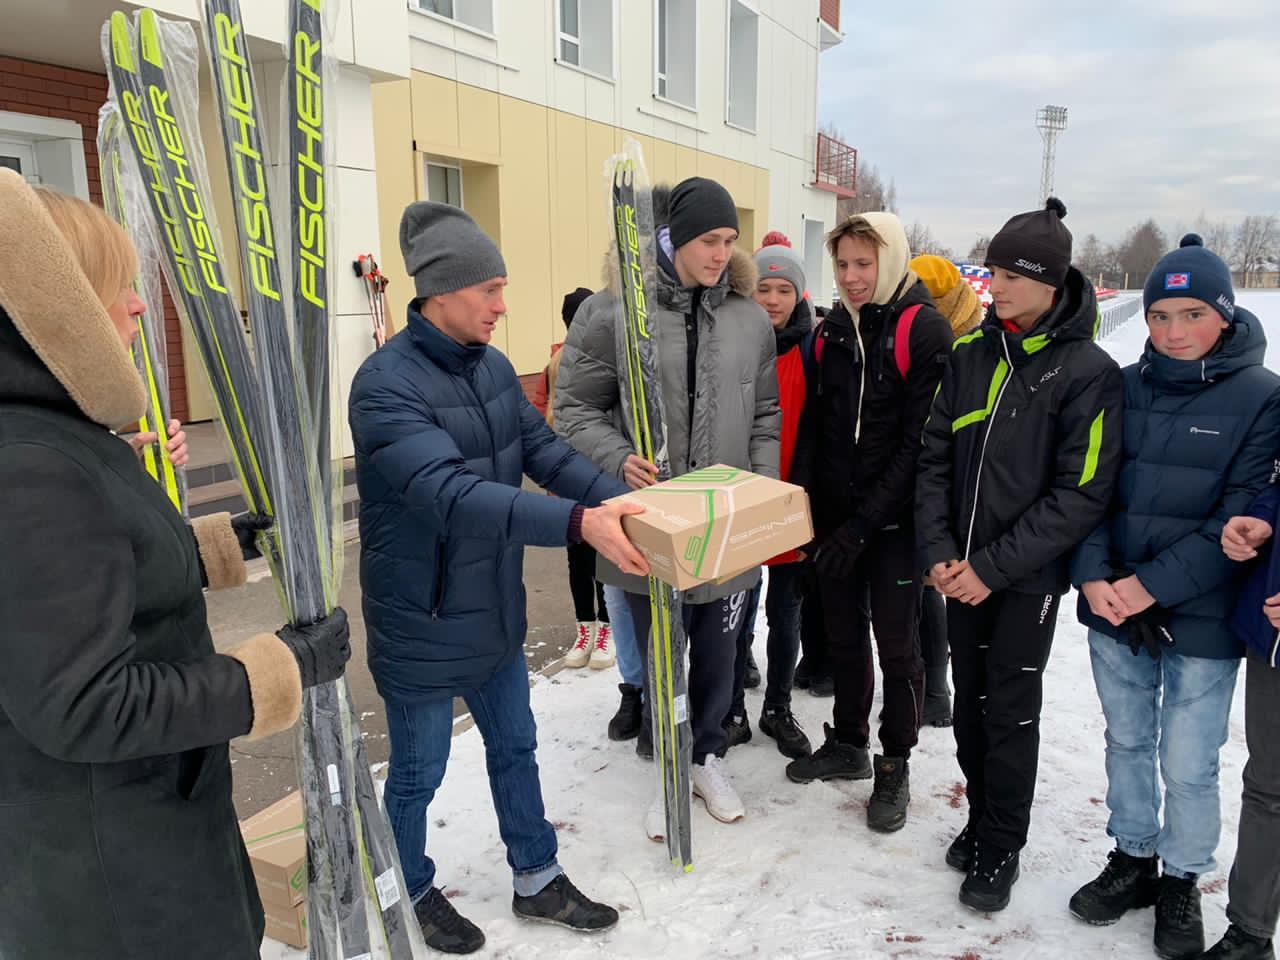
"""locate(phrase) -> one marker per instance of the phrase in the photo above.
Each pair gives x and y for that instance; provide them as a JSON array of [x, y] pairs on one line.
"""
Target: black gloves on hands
[[1150, 629], [321, 648], [246, 527], [838, 556]]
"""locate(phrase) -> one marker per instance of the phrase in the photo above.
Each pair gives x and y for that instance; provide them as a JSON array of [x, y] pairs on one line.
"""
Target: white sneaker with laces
[[584, 642], [711, 783], [602, 653], [655, 819]]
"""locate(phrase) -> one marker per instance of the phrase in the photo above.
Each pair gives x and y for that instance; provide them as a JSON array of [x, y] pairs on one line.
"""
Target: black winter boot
[[1126, 883], [887, 810], [1179, 924], [822, 686], [782, 726], [626, 723], [960, 852], [443, 927], [1238, 945], [831, 761], [803, 675], [937, 698], [751, 679], [644, 742], [989, 882], [738, 730], [560, 902]]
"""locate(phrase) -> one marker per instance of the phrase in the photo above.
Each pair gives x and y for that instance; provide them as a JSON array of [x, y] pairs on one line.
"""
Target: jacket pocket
[[438, 588]]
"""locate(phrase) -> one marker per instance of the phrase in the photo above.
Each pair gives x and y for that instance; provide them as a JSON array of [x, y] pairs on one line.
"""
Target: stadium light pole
[[1050, 121]]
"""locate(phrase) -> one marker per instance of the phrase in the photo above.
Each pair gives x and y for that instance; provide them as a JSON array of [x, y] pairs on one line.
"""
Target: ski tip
[[121, 44], [149, 37]]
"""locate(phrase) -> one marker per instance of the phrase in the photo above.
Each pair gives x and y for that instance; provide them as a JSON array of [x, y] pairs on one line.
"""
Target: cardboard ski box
[[287, 924], [715, 523], [277, 844]]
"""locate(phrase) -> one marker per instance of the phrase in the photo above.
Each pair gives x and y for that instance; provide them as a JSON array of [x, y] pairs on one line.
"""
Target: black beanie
[[698, 206], [572, 301], [1035, 245]]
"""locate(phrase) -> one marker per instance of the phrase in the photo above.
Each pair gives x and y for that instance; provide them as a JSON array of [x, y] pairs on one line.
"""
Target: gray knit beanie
[[781, 263], [444, 250]]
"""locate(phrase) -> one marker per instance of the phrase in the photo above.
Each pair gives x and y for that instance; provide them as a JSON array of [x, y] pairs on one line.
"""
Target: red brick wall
[[830, 12], [45, 90]]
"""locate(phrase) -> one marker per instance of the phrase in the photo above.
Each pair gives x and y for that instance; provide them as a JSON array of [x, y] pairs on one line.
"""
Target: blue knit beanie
[[1192, 271]]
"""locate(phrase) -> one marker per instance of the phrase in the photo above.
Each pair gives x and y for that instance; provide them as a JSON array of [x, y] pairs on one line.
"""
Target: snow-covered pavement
[[801, 876]]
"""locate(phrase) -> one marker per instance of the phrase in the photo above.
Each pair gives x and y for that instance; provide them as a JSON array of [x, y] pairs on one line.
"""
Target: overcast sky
[[1174, 108]]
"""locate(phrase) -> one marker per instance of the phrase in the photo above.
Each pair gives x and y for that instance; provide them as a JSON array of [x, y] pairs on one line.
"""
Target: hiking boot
[[644, 742], [583, 641], [1126, 883], [937, 710], [831, 761], [1238, 945], [822, 686], [711, 785], [1179, 925], [751, 679], [960, 852], [782, 726], [989, 882], [443, 927], [626, 723], [563, 904], [603, 653], [738, 730], [887, 810]]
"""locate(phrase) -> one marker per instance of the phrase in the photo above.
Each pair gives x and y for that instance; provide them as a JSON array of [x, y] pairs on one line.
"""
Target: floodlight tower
[[1050, 121]]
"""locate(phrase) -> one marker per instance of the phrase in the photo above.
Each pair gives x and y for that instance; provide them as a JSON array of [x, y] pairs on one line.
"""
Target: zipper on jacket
[[1275, 651], [982, 456], [437, 592]]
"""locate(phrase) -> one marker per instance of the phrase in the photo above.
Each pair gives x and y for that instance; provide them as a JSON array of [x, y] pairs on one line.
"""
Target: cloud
[[1172, 109]]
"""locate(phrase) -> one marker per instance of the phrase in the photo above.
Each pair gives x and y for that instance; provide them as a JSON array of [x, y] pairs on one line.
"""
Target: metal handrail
[[1116, 313]]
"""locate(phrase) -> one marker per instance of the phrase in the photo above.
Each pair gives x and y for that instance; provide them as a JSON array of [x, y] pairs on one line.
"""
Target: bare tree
[[1218, 236], [921, 240], [1257, 245], [1092, 259], [1143, 246], [978, 252]]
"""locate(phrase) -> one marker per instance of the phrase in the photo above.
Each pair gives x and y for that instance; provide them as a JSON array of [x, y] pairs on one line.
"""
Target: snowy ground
[[801, 876]]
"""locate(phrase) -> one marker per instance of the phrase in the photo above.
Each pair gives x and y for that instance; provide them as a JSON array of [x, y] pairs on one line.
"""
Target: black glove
[[321, 648], [838, 555], [246, 527], [1150, 629]]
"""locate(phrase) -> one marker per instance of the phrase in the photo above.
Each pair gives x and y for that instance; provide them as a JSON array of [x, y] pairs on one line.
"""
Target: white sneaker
[[655, 819], [711, 783], [602, 654], [583, 643]]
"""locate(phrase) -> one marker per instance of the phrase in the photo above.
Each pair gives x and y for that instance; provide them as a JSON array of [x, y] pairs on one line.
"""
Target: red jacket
[[791, 394]]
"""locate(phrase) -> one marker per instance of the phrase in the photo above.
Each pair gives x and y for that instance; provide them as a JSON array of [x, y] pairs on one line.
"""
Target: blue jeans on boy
[[1176, 708], [421, 734], [630, 666]]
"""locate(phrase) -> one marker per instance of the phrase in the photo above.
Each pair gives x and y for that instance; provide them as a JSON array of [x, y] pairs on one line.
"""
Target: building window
[[584, 35], [444, 183], [743, 61], [675, 43], [476, 14]]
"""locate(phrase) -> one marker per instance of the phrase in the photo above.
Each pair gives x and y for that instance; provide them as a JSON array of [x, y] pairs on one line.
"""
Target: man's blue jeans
[[1176, 708], [421, 734]]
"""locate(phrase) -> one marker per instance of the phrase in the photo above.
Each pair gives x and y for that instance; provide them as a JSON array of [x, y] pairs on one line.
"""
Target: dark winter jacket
[[1022, 447], [1248, 621], [868, 483], [443, 437], [1199, 439], [118, 837]]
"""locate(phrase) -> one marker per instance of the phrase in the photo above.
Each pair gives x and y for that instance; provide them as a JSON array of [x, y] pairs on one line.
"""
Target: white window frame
[[416, 7], [428, 163], [58, 147], [560, 36], [657, 75], [728, 65]]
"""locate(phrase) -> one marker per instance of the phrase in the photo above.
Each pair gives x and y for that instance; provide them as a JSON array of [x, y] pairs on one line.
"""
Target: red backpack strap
[[902, 340]]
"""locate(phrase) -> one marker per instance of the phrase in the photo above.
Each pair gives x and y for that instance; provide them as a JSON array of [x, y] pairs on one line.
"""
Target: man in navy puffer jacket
[[1201, 426], [443, 437]]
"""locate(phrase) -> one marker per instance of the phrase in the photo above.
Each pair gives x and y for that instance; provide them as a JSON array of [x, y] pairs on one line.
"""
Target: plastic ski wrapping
[[126, 204], [643, 412]]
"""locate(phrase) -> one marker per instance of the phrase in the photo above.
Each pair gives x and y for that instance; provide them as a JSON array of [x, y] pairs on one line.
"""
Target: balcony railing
[[836, 168]]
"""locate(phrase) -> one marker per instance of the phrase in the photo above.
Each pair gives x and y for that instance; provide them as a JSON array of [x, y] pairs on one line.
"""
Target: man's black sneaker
[[1179, 924], [738, 730], [562, 903], [822, 686], [644, 742], [887, 810], [989, 882], [960, 852], [751, 679], [626, 723], [831, 761], [1238, 945], [782, 726], [1126, 883], [443, 927]]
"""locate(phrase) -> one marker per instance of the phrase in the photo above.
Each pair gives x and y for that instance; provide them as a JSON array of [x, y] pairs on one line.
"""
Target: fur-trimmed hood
[[56, 341]]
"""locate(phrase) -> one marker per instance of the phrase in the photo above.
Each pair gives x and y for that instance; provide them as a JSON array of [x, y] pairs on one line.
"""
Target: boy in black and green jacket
[[1020, 456]]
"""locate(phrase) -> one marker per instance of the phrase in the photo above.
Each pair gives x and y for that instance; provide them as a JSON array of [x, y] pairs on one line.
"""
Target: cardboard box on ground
[[715, 523], [277, 843]]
